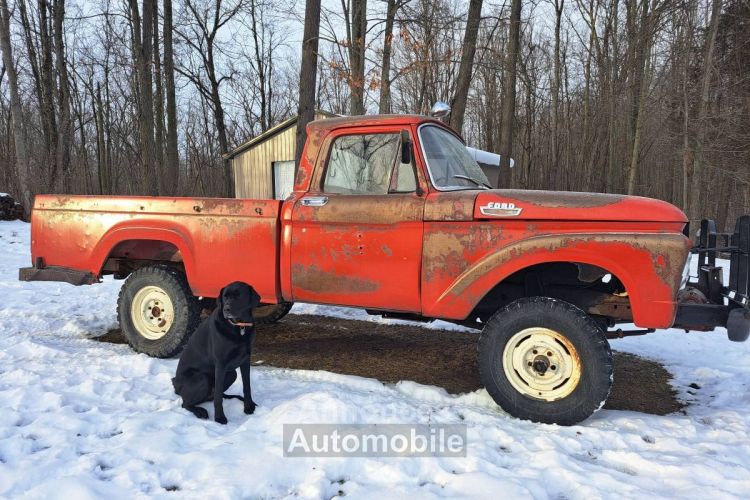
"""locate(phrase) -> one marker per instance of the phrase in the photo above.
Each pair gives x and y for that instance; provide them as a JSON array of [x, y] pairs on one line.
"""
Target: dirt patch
[[447, 359]]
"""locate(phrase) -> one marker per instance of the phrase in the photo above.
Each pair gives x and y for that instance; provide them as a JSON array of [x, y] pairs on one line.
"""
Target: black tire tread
[[281, 310], [186, 306], [597, 345]]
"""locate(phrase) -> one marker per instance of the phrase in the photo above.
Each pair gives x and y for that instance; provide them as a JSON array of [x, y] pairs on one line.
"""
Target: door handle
[[315, 201]]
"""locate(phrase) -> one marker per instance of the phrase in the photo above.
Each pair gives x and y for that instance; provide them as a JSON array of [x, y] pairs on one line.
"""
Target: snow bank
[[82, 419]]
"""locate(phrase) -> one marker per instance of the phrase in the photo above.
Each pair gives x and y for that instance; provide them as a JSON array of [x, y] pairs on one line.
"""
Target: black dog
[[221, 344]]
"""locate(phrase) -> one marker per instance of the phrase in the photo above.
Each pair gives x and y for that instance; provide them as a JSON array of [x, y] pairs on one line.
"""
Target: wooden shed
[[264, 165]]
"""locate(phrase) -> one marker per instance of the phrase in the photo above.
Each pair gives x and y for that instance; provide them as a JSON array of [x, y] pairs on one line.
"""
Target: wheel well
[[129, 255], [591, 288]]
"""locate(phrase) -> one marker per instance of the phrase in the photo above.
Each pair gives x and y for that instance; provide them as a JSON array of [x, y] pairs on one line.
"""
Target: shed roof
[[269, 133]]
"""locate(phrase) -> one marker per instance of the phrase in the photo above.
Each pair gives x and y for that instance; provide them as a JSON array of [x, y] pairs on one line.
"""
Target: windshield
[[450, 165]]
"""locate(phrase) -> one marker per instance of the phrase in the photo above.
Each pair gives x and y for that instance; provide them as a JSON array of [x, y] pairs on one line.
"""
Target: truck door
[[357, 235]]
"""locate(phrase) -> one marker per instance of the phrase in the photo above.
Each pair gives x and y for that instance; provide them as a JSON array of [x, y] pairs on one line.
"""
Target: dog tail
[[233, 396]]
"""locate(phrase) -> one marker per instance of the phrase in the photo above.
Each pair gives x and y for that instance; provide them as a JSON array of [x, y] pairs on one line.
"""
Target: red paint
[[434, 254]]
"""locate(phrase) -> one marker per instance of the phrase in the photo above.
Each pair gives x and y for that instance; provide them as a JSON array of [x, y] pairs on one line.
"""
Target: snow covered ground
[[82, 419]]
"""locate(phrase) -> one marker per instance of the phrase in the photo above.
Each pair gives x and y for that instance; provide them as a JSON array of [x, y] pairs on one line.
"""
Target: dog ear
[[254, 297], [220, 300]]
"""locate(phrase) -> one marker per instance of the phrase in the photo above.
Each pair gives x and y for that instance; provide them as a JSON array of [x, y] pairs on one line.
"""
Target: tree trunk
[[105, 185], [65, 130], [639, 93], [171, 167], [556, 85], [142, 45], [687, 150], [509, 102], [699, 160], [385, 72], [612, 87], [357, 57], [19, 132], [468, 50], [221, 131], [166, 183], [49, 119], [308, 74]]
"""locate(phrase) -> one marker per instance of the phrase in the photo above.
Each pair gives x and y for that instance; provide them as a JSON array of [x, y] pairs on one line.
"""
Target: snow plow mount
[[708, 302]]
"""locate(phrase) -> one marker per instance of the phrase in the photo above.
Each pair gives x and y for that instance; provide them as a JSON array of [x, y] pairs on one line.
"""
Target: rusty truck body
[[389, 214]]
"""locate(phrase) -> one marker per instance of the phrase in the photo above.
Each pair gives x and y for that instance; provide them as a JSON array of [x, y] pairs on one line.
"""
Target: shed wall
[[252, 168]]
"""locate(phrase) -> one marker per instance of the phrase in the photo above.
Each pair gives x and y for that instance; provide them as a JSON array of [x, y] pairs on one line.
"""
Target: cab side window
[[367, 164]]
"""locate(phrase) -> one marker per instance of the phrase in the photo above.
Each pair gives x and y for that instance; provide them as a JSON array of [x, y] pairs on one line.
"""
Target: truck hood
[[563, 205]]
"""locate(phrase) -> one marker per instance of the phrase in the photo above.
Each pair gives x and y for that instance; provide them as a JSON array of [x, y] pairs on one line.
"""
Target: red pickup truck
[[393, 215]]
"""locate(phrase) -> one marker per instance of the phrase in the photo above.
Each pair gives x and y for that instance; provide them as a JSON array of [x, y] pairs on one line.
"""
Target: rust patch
[[448, 252], [612, 306], [561, 199], [369, 210], [455, 206], [313, 279], [299, 181], [672, 247], [669, 256]]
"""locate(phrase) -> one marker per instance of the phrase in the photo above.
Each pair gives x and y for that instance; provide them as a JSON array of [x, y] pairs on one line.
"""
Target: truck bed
[[217, 240]]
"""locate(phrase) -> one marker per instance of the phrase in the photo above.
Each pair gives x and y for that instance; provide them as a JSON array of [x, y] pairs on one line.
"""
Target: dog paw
[[199, 412], [221, 419], [250, 408]]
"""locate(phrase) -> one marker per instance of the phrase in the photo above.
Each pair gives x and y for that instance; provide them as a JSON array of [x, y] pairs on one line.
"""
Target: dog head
[[236, 302]]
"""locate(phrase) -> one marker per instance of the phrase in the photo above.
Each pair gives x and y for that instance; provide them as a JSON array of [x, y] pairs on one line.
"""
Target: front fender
[[649, 265]]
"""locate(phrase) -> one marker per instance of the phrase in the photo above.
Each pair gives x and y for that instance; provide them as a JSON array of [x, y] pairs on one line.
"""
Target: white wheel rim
[[542, 364], [152, 312]]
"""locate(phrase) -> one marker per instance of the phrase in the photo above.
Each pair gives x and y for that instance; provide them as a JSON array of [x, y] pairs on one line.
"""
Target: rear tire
[[157, 311], [545, 360], [266, 315]]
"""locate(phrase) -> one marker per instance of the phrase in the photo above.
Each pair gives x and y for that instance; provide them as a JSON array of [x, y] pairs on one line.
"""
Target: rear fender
[[168, 232]]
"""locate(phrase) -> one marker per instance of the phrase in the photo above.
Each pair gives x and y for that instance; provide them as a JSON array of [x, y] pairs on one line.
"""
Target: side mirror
[[440, 109], [405, 147]]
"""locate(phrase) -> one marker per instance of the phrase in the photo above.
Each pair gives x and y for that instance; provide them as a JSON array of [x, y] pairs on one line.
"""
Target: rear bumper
[[55, 273]]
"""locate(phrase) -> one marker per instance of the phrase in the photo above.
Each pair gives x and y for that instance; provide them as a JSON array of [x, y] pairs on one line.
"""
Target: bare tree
[[65, 130], [19, 130], [556, 82], [171, 166], [143, 55], [703, 106], [356, 27], [509, 99], [308, 74], [200, 34], [392, 7], [468, 49], [165, 182]]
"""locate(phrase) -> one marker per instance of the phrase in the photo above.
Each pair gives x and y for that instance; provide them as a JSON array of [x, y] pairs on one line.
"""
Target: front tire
[[157, 311], [545, 360]]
